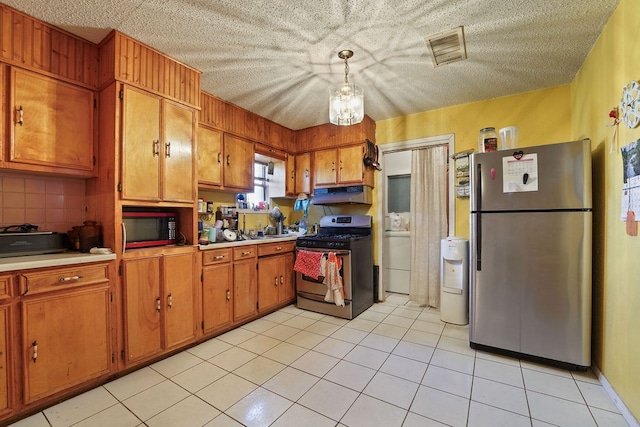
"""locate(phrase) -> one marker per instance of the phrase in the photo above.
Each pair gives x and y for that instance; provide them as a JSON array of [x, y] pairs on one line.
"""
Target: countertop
[[51, 260], [259, 241]]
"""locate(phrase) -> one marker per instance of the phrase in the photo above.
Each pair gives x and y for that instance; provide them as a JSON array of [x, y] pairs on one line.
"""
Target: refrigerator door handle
[[478, 208]]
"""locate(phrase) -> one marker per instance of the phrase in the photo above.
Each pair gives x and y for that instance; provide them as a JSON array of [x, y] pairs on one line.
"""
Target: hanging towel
[[332, 278], [308, 263]]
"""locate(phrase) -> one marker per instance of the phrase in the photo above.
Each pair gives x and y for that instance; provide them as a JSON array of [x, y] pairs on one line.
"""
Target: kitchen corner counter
[[221, 245], [51, 260]]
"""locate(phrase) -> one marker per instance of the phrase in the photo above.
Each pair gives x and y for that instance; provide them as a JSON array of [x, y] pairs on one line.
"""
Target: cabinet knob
[[35, 351], [156, 147], [276, 281], [219, 157], [170, 300], [228, 159], [158, 307], [167, 149], [282, 280], [228, 295]]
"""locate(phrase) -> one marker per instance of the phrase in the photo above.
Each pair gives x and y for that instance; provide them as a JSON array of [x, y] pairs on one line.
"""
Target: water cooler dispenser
[[454, 280]]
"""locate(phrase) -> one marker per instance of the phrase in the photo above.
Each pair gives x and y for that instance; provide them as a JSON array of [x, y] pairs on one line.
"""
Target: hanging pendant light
[[346, 103]]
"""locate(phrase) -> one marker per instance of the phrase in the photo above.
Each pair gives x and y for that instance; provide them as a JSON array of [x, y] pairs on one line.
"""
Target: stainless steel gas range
[[348, 239]]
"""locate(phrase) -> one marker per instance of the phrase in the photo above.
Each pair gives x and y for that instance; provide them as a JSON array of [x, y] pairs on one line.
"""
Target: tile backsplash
[[51, 203]]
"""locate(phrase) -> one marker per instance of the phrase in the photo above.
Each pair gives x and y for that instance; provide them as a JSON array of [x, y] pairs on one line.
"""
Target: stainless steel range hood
[[355, 194]]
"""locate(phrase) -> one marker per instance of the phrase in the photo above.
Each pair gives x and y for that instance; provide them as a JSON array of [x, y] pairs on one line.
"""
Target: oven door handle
[[318, 298], [326, 251]]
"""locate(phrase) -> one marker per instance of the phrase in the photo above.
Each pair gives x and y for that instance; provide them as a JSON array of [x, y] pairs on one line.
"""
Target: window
[[260, 185], [399, 193]]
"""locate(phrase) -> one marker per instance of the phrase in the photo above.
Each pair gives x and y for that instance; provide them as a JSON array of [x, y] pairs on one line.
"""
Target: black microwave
[[145, 229]]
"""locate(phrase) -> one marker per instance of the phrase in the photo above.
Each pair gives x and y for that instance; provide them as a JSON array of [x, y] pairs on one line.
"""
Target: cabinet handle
[[69, 279], [293, 174], [276, 281], [282, 280], [228, 159], [246, 253], [333, 166], [158, 304], [219, 157], [340, 164], [35, 351], [20, 112], [306, 173], [278, 248], [170, 300], [156, 147], [219, 257], [167, 149], [26, 284], [228, 295]]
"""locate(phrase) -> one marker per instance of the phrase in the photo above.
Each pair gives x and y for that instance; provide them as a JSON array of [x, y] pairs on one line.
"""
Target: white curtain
[[428, 222]]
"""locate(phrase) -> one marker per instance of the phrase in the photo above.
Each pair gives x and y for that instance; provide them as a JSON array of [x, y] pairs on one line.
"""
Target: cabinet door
[[52, 122], [4, 367], [65, 340], [209, 156], [141, 146], [325, 167], [217, 284], [350, 166], [245, 293], [269, 272], [238, 163], [287, 279], [142, 306], [290, 175], [178, 153], [303, 173], [179, 320]]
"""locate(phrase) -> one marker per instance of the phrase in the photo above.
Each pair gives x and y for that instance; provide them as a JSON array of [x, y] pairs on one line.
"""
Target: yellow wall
[[542, 116], [596, 89]]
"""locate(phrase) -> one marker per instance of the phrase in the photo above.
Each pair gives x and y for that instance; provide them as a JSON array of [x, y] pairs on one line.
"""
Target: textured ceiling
[[278, 58]]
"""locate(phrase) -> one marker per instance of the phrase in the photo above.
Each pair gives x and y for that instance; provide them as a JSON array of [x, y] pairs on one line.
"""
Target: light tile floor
[[395, 365]]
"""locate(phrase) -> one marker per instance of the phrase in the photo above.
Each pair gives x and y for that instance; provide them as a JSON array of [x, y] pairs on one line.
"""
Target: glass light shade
[[346, 105]]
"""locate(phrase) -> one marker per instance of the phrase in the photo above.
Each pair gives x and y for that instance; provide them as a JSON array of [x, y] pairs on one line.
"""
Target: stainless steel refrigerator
[[530, 267]]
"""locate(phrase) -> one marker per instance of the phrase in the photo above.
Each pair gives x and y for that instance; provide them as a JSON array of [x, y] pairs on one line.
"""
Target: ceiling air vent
[[447, 47]]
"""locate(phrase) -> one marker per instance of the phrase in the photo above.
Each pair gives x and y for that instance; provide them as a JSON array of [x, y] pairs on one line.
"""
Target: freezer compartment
[[531, 284], [562, 178]]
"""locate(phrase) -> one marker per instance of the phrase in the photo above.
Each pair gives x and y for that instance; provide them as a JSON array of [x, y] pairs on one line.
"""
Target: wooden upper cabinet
[[290, 175], [179, 154], [141, 145], [303, 173], [238, 163], [326, 167], [51, 125], [350, 165], [157, 148], [340, 166], [209, 157]]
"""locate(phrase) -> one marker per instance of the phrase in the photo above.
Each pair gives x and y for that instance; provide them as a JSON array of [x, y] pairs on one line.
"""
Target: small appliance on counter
[[25, 239]]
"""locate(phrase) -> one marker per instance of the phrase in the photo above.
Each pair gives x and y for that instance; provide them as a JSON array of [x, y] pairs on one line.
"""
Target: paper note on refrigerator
[[520, 173]]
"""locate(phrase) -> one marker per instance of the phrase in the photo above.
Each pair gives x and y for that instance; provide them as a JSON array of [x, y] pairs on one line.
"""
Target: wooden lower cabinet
[[217, 286], [66, 329], [245, 283], [276, 280], [159, 304], [4, 359]]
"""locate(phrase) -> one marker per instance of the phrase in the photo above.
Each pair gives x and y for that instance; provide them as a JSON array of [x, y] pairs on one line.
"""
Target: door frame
[[412, 144]]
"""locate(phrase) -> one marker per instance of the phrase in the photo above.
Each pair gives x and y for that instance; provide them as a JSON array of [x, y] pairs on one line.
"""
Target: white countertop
[[220, 245], [51, 260]]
